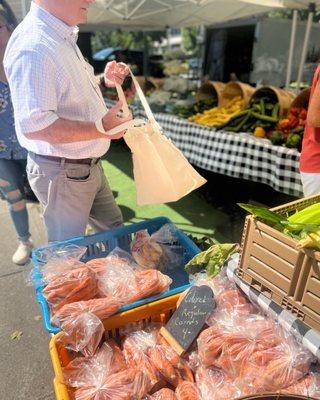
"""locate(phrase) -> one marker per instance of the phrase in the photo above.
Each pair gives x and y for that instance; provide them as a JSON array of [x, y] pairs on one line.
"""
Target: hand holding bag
[[162, 174]]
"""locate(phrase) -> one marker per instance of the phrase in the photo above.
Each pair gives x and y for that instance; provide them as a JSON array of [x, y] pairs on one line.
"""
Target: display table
[[238, 155]]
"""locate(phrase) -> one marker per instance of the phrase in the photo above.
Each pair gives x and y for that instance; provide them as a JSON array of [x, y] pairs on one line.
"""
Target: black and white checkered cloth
[[237, 155], [310, 338]]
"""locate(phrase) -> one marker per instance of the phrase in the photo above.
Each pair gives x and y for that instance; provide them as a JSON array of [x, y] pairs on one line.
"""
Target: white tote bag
[[161, 172]]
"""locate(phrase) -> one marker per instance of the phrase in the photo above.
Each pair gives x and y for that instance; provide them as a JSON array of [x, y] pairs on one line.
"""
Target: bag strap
[[126, 125], [141, 95]]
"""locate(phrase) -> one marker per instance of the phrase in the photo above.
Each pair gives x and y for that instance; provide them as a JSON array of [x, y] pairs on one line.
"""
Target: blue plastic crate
[[101, 244]]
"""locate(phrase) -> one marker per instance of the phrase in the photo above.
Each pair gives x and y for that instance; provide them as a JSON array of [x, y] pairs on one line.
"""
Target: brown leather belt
[[86, 161]]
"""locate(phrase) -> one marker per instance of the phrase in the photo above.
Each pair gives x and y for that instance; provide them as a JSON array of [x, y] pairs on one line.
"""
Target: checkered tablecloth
[[236, 155], [310, 338]]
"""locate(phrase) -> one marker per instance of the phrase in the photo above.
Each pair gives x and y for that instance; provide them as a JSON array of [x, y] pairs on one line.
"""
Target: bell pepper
[[259, 132]]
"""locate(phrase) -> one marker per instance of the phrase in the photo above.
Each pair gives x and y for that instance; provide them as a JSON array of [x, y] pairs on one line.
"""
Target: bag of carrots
[[159, 251], [57, 260], [82, 333], [84, 371], [102, 308]]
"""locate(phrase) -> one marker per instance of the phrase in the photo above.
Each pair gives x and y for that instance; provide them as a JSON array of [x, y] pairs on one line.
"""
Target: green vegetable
[[293, 140], [275, 111], [264, 117], [262, 107], [242, 123], [212, 259], [262, 212], [277, 138]]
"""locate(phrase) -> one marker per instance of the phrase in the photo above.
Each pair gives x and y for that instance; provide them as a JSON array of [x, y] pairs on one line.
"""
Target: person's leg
[[105, 213], [67, 192], [310, 183], [11, 187]]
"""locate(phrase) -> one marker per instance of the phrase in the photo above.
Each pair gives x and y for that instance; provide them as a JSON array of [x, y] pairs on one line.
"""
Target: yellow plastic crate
[[159, 311]]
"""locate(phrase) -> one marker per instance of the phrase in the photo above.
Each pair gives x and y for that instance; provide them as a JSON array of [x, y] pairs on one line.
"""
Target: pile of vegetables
[[219, 115], [261, 113], [290, 130], [303, 225], [186, 111]]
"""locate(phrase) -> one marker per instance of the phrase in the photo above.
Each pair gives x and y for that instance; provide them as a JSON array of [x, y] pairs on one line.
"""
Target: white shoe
[[23, 252]]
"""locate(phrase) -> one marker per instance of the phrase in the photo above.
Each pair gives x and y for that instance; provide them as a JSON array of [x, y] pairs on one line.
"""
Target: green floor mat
[[192, 214]]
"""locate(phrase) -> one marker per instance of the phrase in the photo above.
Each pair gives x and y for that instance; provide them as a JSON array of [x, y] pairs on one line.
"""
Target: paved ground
[[25, 367]]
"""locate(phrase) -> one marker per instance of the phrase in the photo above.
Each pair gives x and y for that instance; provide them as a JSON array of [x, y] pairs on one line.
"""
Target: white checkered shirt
[[49, 79]]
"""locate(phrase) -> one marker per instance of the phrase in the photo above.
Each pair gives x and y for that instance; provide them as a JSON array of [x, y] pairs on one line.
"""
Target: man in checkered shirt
[[61, 118]]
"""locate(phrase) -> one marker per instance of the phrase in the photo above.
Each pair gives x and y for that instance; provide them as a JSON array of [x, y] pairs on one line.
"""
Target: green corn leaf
[[262, 212]]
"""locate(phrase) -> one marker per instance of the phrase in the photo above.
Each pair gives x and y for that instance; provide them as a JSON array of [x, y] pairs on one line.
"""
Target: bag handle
[[141, 95], [125, 126]]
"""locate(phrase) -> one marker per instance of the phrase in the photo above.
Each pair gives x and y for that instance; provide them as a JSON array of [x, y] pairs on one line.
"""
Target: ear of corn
[[309, 215], [310, 240]]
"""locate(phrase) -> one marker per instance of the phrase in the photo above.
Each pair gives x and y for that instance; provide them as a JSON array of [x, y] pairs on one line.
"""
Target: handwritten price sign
[[189, 318]]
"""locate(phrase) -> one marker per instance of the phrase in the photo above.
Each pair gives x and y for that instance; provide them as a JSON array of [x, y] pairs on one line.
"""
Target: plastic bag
[[135, 348], [118, 282], [215, 384], [170, 365], [102, 308], [150, 282], [230, 302], [82, 334], [93, 371], [75, 285], [308, 386], [187, 391], [159, 251], [124, 385], [230, 346], [279, 367], [59, 260], [163, 394]]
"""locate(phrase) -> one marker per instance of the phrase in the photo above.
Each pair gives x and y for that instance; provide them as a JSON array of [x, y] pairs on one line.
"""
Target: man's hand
[[115, 73], [111, 120]]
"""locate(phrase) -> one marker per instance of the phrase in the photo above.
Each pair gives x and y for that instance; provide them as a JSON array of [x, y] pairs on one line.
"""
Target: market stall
[[238, 155]]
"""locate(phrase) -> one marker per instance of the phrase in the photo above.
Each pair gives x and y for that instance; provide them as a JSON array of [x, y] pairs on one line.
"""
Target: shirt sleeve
[[33, 82]]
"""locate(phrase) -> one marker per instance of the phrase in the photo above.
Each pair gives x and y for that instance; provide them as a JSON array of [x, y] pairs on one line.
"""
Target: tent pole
[[145, 55], [291, 48], [305, 43]]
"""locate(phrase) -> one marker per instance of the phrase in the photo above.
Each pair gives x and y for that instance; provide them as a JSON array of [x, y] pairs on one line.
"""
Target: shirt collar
[[69, 33]]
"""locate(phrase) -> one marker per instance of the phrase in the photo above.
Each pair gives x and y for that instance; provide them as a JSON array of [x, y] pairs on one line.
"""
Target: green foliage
[[189, 39], [171, 55], [288, 14], [125, 39]]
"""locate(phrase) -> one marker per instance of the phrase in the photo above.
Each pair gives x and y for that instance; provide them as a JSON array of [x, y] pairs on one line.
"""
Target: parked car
[[132, 57]]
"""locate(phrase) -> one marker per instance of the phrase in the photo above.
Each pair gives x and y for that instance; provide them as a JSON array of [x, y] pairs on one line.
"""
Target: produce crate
[[101, 244], [158, 311], [271, 262]]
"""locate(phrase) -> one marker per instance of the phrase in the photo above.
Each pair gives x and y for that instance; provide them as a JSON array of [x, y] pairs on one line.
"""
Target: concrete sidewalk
[[25, 367]]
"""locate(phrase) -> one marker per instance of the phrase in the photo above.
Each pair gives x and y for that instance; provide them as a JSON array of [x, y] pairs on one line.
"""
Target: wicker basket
[[283, 97], [210, 90], [234, 89]]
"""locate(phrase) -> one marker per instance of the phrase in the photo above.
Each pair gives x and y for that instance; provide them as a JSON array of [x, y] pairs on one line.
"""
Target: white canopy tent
[[295, 4], [160, 14]]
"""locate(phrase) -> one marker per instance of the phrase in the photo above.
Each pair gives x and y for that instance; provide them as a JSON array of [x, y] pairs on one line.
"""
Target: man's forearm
[[67, 131]]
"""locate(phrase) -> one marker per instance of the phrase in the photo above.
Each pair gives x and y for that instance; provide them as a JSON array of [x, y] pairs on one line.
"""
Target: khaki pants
[[72, 195]]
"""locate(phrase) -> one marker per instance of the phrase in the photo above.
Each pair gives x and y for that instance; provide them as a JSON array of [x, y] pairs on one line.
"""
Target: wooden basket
[[271, 262], [283, 97], [234, 89], [210, 90]]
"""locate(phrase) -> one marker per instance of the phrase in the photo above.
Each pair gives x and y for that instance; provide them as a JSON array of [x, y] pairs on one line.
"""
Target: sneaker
[[23, 252]]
